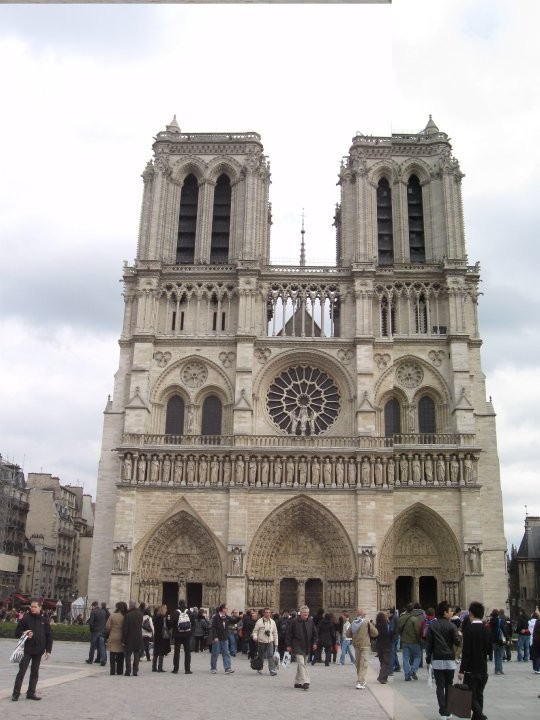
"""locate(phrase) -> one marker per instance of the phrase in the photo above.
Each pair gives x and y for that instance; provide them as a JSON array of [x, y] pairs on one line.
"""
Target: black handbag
[[459, 701], [257, 663]]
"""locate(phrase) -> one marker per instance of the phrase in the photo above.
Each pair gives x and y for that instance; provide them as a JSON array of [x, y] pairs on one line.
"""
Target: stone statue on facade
[[120, 557], [473, 559], [378, 473], [468, 469], [404, 470], [166, 470], [315, 472], [178, 470], [367, 562], [428, 471], [365, 473], [454, 470], [416, 470], [237, 561], [128, 467], [214, 471], [441, 471]]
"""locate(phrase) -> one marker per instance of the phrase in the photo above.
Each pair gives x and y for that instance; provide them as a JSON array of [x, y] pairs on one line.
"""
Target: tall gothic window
[[426, 415], [392, 418], [174, 424], [221, 221], [211, 416], [384, 223], [416, 220], [388, 317], [187, 226]]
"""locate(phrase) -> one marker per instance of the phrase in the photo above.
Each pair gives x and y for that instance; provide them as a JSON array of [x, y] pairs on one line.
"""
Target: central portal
[[301, 539]]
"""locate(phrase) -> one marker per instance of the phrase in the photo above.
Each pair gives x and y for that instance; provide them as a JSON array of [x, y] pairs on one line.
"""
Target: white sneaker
[[360, 686]]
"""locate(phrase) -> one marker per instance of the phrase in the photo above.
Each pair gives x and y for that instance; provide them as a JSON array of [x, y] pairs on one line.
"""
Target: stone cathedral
[[281, 435]]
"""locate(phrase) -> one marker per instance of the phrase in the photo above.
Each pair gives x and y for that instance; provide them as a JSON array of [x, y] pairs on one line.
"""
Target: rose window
[[303, 401], [410, 375]]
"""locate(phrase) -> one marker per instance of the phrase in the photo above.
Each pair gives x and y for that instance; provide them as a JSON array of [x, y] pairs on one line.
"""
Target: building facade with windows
[[288, 434]]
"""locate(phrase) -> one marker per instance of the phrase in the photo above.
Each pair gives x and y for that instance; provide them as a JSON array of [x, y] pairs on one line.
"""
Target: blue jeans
[[346, 650], [97, 644], [411, 658], [220, 646], [523, 645], [232, 643], [394, 660], [498, 654]]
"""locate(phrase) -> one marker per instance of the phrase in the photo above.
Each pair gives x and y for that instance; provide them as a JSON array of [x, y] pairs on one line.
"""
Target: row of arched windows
[[212, 410], [175, 422], [426, 417], [415, 212], [221, 221]]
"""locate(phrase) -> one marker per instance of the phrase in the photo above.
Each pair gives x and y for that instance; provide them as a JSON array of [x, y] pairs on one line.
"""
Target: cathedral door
[[194, 594], [288, 594], [170, 595], [428, 592], [314, 595], [404, 591]]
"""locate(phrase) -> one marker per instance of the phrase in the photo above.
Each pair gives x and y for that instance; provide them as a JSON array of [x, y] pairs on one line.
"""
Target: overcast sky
[[85, 89]]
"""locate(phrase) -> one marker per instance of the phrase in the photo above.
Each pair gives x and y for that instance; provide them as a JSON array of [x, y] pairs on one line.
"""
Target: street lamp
[[59, 611]]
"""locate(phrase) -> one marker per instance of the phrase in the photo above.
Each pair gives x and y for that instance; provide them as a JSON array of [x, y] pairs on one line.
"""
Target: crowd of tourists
[[446, 639]]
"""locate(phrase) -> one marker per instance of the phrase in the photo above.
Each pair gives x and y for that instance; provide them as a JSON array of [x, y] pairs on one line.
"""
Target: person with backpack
[[496, 627], [181, 626], [147, 631], [409, 631], [441, 637]]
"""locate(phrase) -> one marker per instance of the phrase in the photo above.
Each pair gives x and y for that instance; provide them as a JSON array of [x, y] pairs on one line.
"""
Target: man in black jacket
[[182, 624], [442, 637], [38, 643], [477, 648], [97, 621], [219, 635], [132, 637], [301, 641]]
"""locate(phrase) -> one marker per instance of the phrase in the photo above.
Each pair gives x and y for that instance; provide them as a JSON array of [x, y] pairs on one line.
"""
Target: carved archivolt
[[181, 548], [420, 543], [301, 538]]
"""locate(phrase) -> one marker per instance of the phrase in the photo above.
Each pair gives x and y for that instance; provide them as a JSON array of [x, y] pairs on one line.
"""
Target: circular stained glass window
[[303, 400]]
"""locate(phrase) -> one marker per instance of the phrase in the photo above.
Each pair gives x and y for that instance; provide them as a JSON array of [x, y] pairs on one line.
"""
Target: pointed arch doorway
[[420, 561], [300, 555], [180, 560]]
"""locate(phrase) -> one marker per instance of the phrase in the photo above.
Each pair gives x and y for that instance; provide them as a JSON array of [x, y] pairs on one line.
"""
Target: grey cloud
[[109, 30]]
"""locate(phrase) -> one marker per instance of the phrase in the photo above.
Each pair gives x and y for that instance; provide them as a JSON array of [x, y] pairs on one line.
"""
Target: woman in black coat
[[383, 646], [327, 639], [162, 642]]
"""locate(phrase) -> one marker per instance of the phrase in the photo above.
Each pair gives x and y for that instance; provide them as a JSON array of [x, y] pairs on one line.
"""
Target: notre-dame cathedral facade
[[281, 435]]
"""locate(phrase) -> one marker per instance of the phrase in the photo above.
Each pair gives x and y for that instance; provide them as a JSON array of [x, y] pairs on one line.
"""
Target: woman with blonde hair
[[162, 641]]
